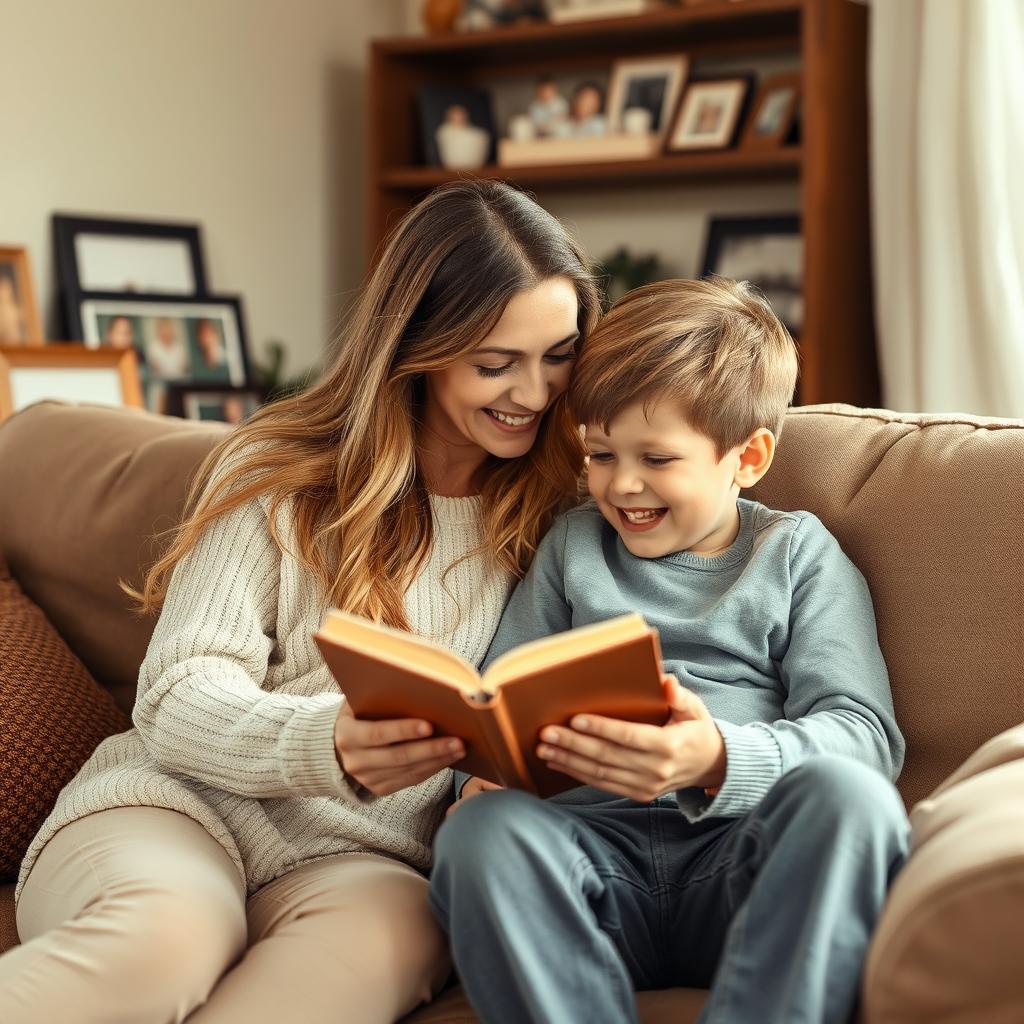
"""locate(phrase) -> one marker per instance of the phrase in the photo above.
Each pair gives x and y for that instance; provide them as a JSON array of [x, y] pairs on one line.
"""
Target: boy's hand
[[641, 761], [471, 788]]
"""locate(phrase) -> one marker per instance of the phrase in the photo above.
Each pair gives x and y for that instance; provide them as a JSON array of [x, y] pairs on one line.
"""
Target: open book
[[611, 668]]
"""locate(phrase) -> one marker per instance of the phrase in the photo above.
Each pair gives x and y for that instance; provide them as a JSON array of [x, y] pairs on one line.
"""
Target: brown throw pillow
[[53, 714]]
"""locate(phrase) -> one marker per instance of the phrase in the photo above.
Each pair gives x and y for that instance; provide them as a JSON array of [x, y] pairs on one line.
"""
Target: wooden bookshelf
[[838, 361]]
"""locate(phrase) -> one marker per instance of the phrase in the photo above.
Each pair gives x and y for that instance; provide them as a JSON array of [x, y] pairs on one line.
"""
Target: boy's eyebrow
[[519, 352]]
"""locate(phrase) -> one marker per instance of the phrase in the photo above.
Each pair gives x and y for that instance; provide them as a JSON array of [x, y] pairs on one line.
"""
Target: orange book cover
[[611, 668]]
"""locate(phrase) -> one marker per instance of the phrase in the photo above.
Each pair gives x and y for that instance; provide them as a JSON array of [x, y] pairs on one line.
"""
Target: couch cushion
[[948, 944], [52, 716], [929, 510], [665, 1006], [82, 490]]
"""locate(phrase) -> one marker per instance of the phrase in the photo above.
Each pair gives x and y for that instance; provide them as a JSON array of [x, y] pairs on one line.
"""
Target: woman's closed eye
[[552, 360]]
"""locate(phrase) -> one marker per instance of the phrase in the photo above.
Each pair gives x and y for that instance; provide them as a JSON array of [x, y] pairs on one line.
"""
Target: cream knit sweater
[[235, 712]]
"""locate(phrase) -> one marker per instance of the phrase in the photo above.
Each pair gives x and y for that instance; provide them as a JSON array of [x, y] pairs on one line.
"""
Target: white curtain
[[947, 183]]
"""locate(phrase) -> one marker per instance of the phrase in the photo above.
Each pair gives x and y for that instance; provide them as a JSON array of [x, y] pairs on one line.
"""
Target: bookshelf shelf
[[828, 37]]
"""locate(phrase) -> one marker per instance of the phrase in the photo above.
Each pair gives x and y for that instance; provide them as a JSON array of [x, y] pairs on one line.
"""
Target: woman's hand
[[641, 761], [471, 788], [387, 756]]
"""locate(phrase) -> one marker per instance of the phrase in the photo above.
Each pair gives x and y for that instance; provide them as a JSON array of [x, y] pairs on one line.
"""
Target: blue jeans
[[557, 910]]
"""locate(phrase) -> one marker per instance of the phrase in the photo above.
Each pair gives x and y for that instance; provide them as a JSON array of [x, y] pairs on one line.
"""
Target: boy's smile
[[661, 484]]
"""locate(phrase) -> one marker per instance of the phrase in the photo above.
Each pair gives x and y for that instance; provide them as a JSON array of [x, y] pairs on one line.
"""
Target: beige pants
[[137, 915]]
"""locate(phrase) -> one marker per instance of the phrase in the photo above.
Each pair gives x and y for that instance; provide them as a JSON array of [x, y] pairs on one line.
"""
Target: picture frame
[[19, 314], [435, 106], [213, 402], [105, 255], [709, 114], [774, 112], [653, 84], [176, 340], [767, 251], [563, 11], [67, 372]]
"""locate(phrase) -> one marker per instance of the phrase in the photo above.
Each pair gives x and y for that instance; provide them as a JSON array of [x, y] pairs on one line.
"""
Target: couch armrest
[[948, 944]]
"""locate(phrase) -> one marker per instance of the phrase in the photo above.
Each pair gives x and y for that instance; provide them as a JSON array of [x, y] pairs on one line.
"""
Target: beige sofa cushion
[[929, 510], [82, 489], [948, 944]]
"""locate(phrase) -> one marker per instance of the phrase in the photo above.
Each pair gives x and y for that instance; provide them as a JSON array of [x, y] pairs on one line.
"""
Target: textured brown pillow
[[53, 714]]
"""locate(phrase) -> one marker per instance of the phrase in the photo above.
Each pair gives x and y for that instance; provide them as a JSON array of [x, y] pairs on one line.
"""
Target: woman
[[250, 850]]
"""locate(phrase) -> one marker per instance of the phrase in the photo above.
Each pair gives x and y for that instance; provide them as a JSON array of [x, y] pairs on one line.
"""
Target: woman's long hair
[[345, 450]]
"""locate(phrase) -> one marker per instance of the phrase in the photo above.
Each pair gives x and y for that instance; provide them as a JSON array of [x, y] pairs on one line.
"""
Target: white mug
[[637, 120]]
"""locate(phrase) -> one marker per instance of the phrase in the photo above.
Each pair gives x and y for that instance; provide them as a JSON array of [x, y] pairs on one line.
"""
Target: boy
[[748, 843]]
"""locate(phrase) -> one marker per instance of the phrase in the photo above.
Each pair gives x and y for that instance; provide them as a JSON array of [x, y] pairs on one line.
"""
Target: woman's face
[[494, 397]]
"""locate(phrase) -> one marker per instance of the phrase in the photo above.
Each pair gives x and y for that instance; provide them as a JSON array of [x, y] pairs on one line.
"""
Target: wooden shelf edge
[[724, 11], [783, 162]]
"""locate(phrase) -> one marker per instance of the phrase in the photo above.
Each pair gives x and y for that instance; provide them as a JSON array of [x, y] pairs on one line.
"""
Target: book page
[[406, 650], [573, 643]]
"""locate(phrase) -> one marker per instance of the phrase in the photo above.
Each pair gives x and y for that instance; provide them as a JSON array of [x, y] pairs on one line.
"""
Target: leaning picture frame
[[19, 314], [709, 114], [118, 256], [652, 84], [67, 372], [214, 402], [184, 340], [774, 112], [765, 250]]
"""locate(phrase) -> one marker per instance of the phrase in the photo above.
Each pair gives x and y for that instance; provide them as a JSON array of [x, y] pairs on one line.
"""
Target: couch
[[928, 509]]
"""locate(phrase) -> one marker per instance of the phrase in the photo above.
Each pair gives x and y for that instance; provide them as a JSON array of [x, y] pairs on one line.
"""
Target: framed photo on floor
[[215, 402], [196, 341], [68, 372], [19, 315], [767, 251], [112, 256]]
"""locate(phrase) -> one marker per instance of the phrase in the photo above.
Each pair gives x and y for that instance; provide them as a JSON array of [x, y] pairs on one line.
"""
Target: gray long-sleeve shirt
[[776, 635]]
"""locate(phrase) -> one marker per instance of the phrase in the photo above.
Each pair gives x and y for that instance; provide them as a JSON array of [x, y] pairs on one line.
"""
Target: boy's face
[[661, 485]]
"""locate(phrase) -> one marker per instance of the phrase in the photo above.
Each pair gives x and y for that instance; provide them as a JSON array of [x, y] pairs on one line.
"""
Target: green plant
[[269, 375], [621, 272]]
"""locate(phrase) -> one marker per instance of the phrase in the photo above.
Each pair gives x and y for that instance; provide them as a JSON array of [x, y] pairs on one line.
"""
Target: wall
[[247, 117]]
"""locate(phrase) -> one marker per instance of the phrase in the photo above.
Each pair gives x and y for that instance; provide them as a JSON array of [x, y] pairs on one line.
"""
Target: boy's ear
[[754, 458]]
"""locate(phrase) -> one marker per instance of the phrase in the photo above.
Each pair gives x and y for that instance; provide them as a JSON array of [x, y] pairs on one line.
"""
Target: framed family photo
[[709, 114], [195, 341], [456, 126], [216, 402], [111, 256], [767, 251], [72, 373], [19, 315], [643, 93]]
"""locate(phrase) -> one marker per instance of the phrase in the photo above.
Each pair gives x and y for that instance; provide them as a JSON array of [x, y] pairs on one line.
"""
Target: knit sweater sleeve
[[200, 708]]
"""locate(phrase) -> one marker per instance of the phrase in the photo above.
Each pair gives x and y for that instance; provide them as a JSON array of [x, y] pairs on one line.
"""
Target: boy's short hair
[[714, 346]]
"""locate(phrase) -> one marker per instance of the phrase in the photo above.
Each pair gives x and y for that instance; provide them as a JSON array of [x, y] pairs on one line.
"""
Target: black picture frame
[[431, 103], [186, 358], [781, 284], [69, 230], [179, 395]]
